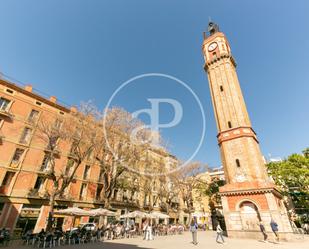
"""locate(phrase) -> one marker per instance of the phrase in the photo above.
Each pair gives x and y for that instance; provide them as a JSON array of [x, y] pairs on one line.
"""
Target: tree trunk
[[190, 217], [106, 203], [51, 212]]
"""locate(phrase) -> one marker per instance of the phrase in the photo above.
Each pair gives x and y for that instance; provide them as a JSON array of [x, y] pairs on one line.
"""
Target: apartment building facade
[[23, 161]]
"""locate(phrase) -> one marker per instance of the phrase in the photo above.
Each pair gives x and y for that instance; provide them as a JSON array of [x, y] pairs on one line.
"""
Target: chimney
[[28, 88], [53, 99], [73, 109]]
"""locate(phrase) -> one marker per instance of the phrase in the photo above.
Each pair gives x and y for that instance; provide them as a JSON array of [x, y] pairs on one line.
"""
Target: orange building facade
[[23, 205]]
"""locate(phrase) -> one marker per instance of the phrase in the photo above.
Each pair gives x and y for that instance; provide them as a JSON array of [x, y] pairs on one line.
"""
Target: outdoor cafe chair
[[48, 241], [94, 236]]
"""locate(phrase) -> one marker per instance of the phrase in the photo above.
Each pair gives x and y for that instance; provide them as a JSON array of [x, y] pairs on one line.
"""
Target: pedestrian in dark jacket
[[274, 228], [263, 230]]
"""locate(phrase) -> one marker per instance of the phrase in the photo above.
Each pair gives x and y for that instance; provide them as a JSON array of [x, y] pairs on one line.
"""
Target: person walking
[[219, 234], [306, 228], [193, 230], [145, 225], [274, 228], [263, 230]]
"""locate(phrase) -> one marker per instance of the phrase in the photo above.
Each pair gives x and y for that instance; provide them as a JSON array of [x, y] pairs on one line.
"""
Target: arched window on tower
[[221, 88], [237, 163], [229, 124]]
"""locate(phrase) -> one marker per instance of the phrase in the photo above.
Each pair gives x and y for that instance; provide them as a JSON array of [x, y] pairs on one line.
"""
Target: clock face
[[212, 46]]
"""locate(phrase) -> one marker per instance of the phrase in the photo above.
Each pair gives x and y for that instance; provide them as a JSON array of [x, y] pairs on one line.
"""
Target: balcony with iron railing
[[6, 113], [37, 193], [56, 152], [15, 164], [124, 201]]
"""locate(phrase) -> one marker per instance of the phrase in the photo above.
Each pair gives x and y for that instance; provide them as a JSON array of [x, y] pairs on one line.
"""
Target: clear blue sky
[[80, 50]]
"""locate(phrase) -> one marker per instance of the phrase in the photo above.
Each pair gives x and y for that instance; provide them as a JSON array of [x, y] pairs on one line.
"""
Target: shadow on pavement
[[110, 245]]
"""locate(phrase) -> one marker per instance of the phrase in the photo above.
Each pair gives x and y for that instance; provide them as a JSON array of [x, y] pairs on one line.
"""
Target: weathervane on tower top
[[213, 28]]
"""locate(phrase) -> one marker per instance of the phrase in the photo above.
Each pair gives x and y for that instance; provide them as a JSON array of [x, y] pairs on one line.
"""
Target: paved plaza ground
[[206, 240]]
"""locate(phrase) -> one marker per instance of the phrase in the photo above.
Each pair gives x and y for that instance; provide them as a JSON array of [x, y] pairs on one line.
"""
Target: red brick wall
[[12, 215], [4, 214], [259, 199], [41, 223]]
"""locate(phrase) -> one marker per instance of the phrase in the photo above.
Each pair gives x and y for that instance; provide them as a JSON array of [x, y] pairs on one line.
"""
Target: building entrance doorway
[[24, 224], [250, 215]]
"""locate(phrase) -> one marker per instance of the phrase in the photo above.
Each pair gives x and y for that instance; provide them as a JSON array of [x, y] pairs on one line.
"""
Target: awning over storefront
[[136, 214], [159, 215], [75, 211], [101, 212]]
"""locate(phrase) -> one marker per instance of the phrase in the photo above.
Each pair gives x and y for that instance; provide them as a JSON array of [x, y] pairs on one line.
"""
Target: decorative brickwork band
[[236, 133], [222, 56]]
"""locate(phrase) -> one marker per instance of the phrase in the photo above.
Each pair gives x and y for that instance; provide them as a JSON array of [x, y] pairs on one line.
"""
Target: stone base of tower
[[246, 204]]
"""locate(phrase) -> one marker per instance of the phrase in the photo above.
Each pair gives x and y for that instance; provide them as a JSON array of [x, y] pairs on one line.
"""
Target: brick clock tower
[[249, 195]]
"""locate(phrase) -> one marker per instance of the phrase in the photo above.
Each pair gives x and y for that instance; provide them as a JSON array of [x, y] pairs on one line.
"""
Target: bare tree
[[187, 180], [116, 152], [79, 131], [169, 193]]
